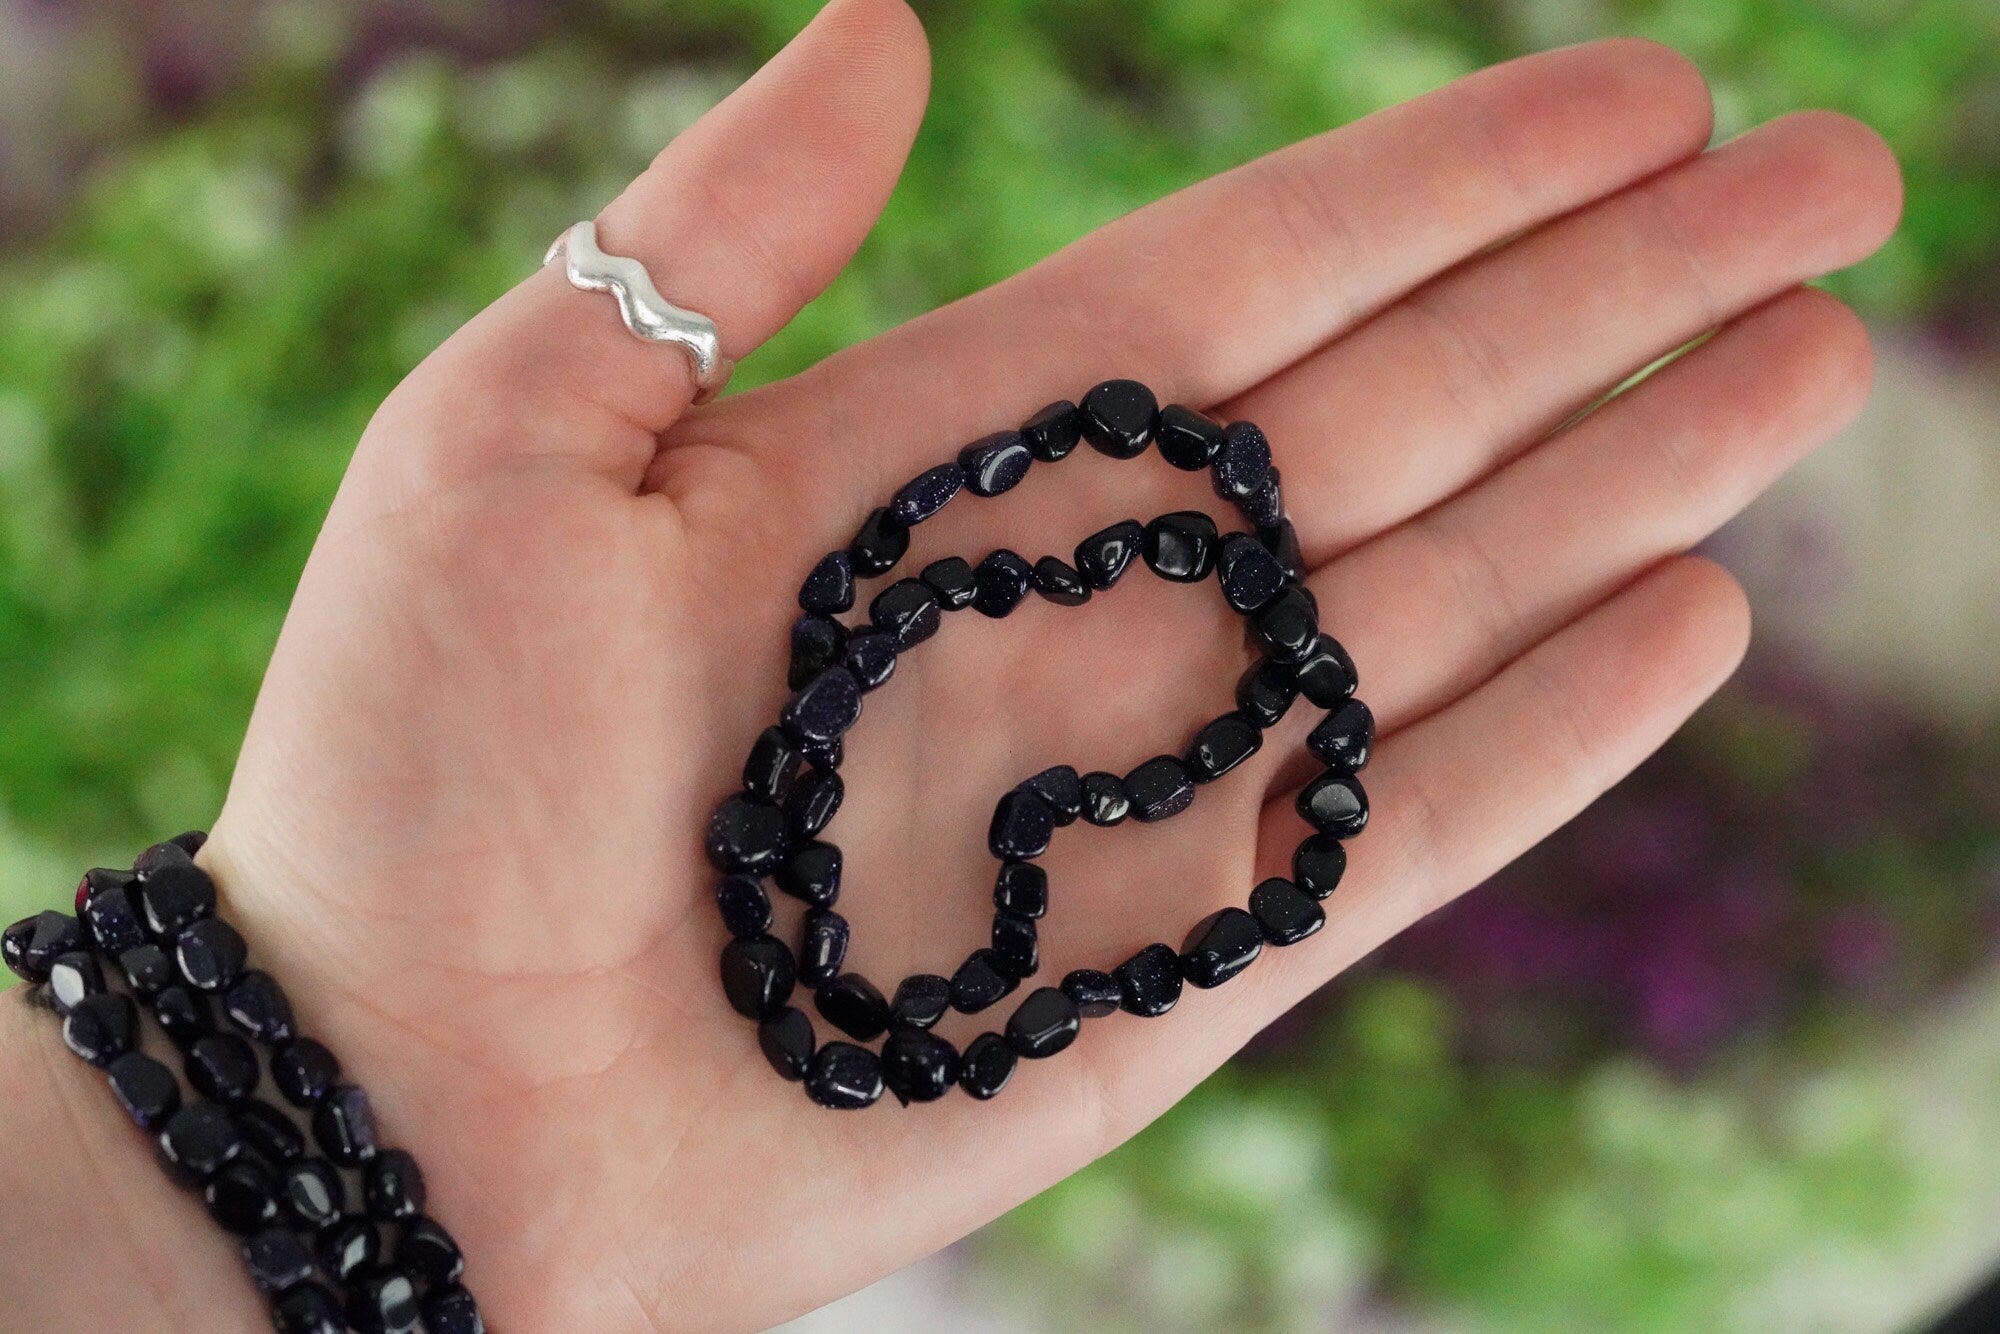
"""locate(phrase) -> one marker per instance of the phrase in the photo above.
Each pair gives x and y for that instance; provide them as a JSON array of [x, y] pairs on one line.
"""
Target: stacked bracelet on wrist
[[150, 937]]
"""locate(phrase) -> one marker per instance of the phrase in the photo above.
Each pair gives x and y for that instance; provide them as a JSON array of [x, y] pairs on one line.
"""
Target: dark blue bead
[[101, 1028], [1149, 982], [1266, 505], [773, 763], [1059, 582], [746, 834], [823, 755], [429, 1253], [72, 977], [107, 904], [1221, 746], [1095, 993], [822, 947], [1220, 946], [758, 975], [174, 897], [272, 1134], [242, 1197], [315, 1193], [32, 944], [210, 954], [146, 1089], [259, 1008], [184, 1014], [829, 589], [1281, 539], [1326, 673], [1265, 692], [813, 802], [817, 643], [918, 1066], [1060, 787], [746, 908], [1284, 912], [1288, 624], [1318, 865], [1000, 582], [1249, 575], [987, 1065], [344, 1126], [393, 1187], [907, 610], [995, 463], [1043, 1024], [1159, 788], [871, 656], [920, 1001], [1106, 553], [1118, 417], [1022, 826], [812, 874], [222, 1067], [1053, 432], [1334, 804], [1016, 947], [451, 1310], [786, 1039], [824, 707], [979, 982], [1181, 546], [383, 1301], [852, 1004], [1343, 738], [148, 970], [1187, 439], [951, 579], [879, 545], [197, 1141], [304, 1071], [160, 856], [277, 1258], [307, 1308], [1244, 463], [1105, 800], [926, 493], [348, 1247], [1022, 889], [844, 1077]]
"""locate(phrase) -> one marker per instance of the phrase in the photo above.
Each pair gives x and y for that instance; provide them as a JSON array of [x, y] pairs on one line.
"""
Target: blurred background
[[1724, 1054]]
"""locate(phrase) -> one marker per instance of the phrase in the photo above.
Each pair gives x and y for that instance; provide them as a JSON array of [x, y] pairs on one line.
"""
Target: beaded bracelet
[[773, 826], [157, 925]]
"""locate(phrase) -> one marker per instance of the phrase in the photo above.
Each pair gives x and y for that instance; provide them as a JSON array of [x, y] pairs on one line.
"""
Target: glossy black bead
[[1326, 673], [1016, 945], [829, 589], [349, 1247], [1285, 913], [1288, 625], [1281, 539], [222, 1067], [918, 1066], [1334, 804], [812, 874], [1244, 463], [1181, 546], [1094, 993], [746, 834], [101, 1028], [1118, 418], [1250, 576], [315, 1193], [817, 644], [1265, 505], [107, 904], [392, 1188], [343, 1125], [1187, 439], [1022, 825], [843, 1076], [210, 954], [259, 1008], [30, 945], [1000, 582], [1058, 581], [773, 763], [787, 1042], [824, 707], [921, 1000], [823, 755], [72, 977], [383, 1301], [815, 798], [1318, 864], [852, 1004], [758, 975], [871, 656], [197, 1141], [822, 947], [1060, 787], [307, 1308], [1022, 889], [995, 463], [1220, 946], [174, 897], [429, 1253], [1343, 738], [147, 1090], [242, 1197], [926, 493], [1044, 1023], [1264, 693], [987, 1065], [979, 982], [277, 1258], [272, 1134], [1159, 788], [451, 1310], [1053, 432], [951, 579], [1106, 554], [908, 611], [879, 545], [1105, 800], [184, 1014], [304, 1071], [1221, 746], [148, 970], [1150, 981], [745, 907]]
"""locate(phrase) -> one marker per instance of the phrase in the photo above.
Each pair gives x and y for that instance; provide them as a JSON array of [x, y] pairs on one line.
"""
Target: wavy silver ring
[[647, 314]]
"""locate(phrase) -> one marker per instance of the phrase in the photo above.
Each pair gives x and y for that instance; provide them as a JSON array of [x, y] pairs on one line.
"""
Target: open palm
[[548, 615]]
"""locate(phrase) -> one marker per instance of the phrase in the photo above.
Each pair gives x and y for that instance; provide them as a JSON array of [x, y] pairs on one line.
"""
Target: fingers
[[1468, 370], [744, 218]]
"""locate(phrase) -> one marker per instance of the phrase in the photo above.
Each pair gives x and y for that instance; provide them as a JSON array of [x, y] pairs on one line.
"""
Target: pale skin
[[546, 618]]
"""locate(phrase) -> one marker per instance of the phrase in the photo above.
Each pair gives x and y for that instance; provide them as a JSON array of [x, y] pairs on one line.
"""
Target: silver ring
[[647, 314]]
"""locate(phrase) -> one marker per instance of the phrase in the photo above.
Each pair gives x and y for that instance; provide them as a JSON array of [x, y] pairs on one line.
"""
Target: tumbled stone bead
[[269, 1131], [307, 1308], [1159, 788], [277, 1258], [995, 463], [745, 907], [1285, 913], [921, 1000], [1326, 673], [161, 855], [344, 1126], [1000, 582], [197, 1141], [844, 1077], [1318, 864], [429, 1253], [108, 907], [183, 1013], [814, 799], [210, 954], [1059, 582], [1265, 505], [987, 1065], [1053, 432], [979, 982], [951, 579], [1094, 993], [1186, 438], [101, 1028], [1105, 800], [1249, 575], [222, 1067], [304, 1071], [823, 755], [812, 874], [1043, 1024], [829, 589], [451, 1310], [1220, 946], [1022, 826], [1022, 889], [383, 1301], [1243, 464], [918, 1066], [393, 1187], [72, 977], [1221, 746], [823, 707], [1059, 786], [1288, 624], [871, 656], [1181, 546], [1118, 418], [926, 493], [1265, 692], [174, 898], [1343, 738], [1016, 947], [315, 1193], [32, 944], [746, 834], [758, 975], [822, 947], [349, 1247], [259, 1008], [1150, 981], [908, 611], [1334, 804], [1281, 539], [1106, 554], [242, 1197], [852, 1004], [786, 1039], [148, 969], [771, 766], [879, 545], [817, 644], [147, 1090]]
